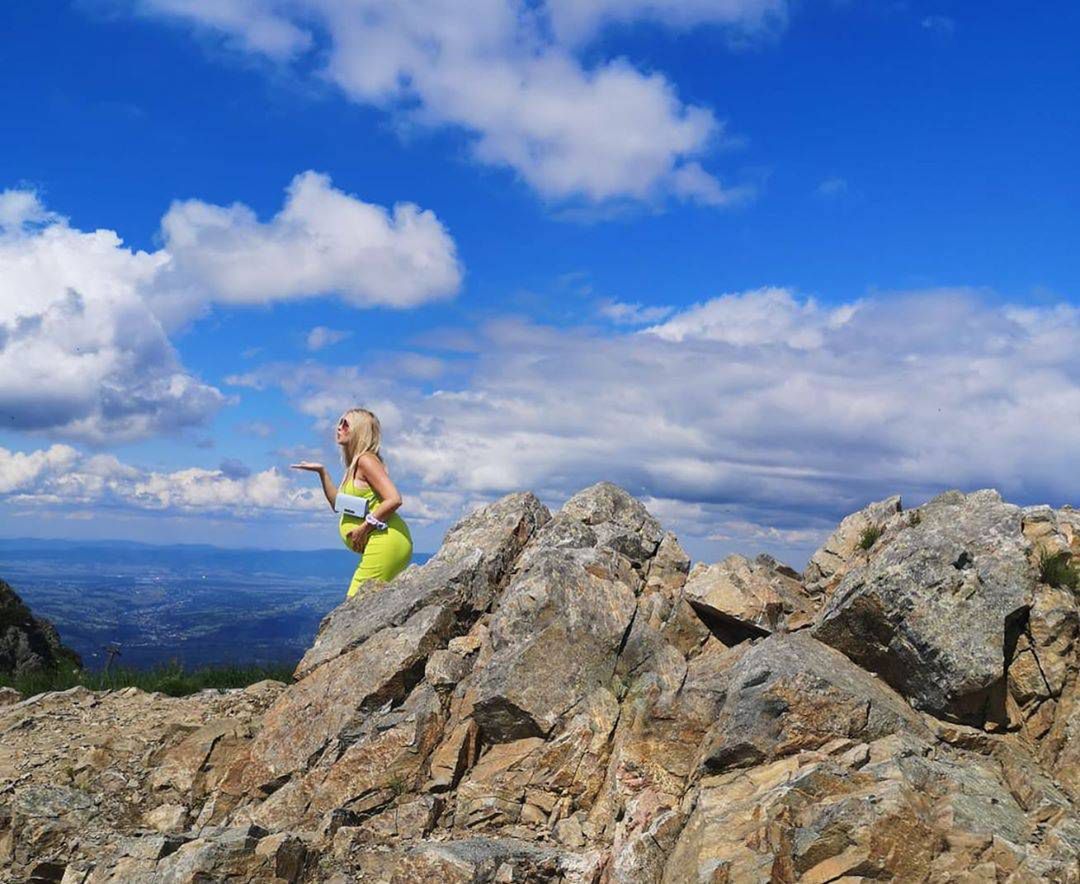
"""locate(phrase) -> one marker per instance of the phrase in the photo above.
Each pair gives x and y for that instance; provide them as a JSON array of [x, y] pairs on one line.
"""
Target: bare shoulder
[[368, 463]]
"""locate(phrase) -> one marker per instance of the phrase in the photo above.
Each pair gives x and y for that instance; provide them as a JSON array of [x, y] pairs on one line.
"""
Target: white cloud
[[20, 470], [760, 317], [62, 475], [323, 241], [81, 353], [939, 24], [508, 72], [20, 209], [321, 336], [84, 349], [252, 24]]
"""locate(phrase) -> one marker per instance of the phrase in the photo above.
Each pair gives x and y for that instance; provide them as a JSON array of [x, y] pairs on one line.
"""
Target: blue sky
[[759, 262]]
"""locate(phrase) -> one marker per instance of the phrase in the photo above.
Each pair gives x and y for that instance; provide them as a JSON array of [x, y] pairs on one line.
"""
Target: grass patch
[[1056, 569], [169, 678], [869, 536]]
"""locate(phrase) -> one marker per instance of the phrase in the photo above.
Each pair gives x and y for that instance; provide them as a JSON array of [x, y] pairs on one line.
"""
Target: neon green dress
[[388, 551]]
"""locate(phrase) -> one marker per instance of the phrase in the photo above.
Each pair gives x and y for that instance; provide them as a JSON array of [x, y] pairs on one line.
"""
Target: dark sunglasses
[[343, 423]]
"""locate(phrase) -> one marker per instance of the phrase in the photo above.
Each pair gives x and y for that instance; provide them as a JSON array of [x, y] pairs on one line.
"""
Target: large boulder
[[892, 810], [848, 545], [937, 612], [559, 626], [790, 693], [464, 575], [749, 597]]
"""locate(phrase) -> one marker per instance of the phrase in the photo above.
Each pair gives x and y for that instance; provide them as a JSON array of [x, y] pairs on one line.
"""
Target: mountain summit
[[561, 697]]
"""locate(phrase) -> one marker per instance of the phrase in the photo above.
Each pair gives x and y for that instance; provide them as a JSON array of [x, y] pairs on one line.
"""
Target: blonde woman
[[382, 537]]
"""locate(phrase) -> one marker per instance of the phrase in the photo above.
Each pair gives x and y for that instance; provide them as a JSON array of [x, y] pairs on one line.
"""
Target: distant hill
[[28, 643]]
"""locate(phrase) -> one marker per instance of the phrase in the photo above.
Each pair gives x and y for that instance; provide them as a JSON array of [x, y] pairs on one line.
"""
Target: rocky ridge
[[28, 643], [560, 697]]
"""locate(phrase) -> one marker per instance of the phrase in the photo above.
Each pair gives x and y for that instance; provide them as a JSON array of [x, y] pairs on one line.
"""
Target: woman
[[382, 537]]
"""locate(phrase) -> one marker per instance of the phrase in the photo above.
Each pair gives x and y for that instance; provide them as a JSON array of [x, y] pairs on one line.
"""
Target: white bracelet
[[370, 518]]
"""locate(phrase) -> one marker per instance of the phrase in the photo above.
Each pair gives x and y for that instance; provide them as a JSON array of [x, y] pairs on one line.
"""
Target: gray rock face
[[564, 700], [842, 550], [790, 693], [561, 622], [28, 643], [464, 576], [755, 597], [934, 612]]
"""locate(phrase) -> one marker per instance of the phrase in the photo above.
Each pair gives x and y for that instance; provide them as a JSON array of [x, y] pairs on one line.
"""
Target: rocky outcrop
[[560, 697], [28, 643]]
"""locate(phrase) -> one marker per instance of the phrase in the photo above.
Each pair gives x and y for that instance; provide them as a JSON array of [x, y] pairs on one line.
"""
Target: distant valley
[[199, 604]]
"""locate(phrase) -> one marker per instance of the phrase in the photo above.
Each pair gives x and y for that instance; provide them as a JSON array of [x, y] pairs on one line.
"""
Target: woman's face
[[342, 430]]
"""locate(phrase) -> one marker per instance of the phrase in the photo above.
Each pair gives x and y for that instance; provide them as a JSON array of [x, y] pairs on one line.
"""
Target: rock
[[9, 697], [337, 696], [445, 669], [453, 756], [564, 699], [844, 548], [28, 643], [166, 818], [935, 614], [903, 816], [575, 587], [757, 597], [464, 575], [790, 693]]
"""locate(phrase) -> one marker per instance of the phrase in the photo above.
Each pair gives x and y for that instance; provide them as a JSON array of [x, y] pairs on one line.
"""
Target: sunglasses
[[343, 423]]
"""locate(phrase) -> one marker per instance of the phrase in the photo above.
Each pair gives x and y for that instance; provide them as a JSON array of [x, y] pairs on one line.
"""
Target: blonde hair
[[365, 434]]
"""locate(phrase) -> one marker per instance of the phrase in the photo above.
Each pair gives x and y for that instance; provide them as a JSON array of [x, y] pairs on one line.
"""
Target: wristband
[[370, 519]]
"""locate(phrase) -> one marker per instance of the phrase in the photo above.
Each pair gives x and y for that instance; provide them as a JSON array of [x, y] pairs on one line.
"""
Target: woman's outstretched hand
[[308, 465]]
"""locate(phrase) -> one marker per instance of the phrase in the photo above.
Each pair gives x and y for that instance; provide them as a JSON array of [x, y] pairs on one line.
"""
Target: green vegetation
[[1056, 569], [169, 679], [869, 536]]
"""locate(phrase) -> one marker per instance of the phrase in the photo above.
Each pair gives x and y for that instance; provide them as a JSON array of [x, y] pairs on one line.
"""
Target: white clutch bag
[[351, 504]]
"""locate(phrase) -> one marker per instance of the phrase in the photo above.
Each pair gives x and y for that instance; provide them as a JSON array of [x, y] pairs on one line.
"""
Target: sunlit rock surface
[[561, 697]]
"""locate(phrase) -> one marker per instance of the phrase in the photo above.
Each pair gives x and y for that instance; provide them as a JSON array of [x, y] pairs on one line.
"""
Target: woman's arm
[[328, 489], [374, 473]]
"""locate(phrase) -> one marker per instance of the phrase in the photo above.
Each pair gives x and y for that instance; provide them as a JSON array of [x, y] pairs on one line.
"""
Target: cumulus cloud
[[323, 241], [20, 209], [63, 475], [509, 73], [763, 316], [757, 419], [84, 320], [81, 352]]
